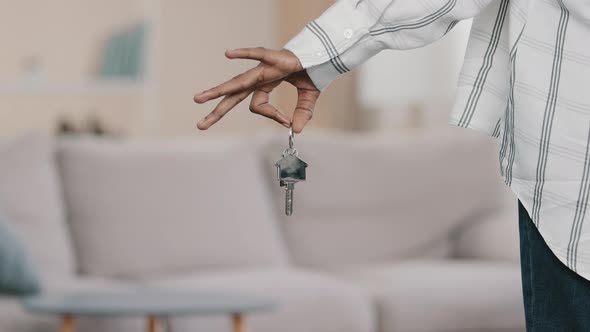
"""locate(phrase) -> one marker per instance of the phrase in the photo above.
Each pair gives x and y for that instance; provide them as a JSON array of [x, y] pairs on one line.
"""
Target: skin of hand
[[275, 67]]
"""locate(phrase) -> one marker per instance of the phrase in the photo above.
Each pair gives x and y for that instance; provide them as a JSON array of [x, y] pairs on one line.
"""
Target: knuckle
[[260, 77], [243, 85], [308, 112], [217, 114]]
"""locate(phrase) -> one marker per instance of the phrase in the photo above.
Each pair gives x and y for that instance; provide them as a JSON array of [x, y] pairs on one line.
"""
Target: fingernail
[[286, 125]]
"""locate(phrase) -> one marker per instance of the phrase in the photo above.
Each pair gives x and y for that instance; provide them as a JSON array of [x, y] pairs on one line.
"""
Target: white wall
[[195, 35]]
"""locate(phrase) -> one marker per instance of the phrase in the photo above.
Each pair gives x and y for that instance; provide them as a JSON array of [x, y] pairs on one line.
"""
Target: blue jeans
[[556, 299]]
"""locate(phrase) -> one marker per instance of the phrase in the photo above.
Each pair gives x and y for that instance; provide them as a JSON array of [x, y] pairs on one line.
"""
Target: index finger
[[239, 83], [252, 53]]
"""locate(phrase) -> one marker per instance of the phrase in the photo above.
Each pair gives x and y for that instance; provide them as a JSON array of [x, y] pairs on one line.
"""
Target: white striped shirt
[[525, 80]]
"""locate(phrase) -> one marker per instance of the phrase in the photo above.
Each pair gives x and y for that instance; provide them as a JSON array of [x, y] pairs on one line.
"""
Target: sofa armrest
[[492, 237]]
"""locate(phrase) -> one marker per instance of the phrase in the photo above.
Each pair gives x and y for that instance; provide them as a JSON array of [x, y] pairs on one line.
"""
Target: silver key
[[290, 170]]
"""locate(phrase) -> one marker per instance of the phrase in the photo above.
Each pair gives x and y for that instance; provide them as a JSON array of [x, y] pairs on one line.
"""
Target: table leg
[[152, 323], [238, 323], [67, 323]]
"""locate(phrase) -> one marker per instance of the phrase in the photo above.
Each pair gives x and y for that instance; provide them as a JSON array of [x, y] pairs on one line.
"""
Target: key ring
[[291, 137], [291, 149]]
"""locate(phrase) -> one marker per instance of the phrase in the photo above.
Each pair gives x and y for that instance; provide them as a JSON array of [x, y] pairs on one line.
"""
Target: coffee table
[[152, 304]]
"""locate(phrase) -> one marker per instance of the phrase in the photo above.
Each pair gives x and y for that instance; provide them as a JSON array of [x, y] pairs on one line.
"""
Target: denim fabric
[[556, 299]]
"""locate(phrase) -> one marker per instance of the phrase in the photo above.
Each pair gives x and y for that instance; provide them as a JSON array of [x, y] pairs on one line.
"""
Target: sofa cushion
[[442, 296], [377, 198], [140, 209], [493, 236], [30, 195], [306, 301]]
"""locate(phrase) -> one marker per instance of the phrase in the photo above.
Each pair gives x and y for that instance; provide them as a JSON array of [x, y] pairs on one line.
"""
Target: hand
[[275, 67]]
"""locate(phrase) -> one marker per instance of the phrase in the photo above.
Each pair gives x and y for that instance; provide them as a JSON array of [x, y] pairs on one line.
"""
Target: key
[[290, 170]]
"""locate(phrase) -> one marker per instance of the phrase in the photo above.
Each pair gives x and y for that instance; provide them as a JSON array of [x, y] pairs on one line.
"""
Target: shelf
[[104, 87]]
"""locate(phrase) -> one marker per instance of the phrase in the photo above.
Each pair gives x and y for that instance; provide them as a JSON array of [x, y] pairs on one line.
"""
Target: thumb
[[306, 100]]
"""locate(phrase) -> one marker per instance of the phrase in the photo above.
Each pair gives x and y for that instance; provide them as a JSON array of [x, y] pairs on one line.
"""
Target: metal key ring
[[291, 137], [290, 152]]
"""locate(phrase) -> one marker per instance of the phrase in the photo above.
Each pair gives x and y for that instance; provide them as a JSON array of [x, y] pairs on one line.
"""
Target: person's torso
[[526, 80]]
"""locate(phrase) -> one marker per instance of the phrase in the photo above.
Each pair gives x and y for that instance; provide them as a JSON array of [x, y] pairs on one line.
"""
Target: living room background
[[106, 185]]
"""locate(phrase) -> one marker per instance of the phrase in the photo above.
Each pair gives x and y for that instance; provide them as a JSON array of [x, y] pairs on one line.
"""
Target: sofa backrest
[[142, 209], [379, 198], [30, 198]]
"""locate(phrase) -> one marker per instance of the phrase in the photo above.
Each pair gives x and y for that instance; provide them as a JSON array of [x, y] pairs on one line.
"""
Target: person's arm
[[352, 31], [346, 35]]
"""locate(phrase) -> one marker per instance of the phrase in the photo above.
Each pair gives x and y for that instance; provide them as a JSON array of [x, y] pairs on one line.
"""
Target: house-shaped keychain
[[290, 169]]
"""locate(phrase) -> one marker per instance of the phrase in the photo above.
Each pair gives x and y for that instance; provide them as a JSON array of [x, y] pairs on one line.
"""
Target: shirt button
[[348, 33], [320, 53]]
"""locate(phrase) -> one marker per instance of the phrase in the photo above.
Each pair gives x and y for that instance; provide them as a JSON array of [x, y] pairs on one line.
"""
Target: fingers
[[260, 105], [306, 100], [226, 105], [239, 83], [254, 53]]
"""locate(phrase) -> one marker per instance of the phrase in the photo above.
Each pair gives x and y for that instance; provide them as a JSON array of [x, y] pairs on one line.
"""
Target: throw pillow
[[17, 274]]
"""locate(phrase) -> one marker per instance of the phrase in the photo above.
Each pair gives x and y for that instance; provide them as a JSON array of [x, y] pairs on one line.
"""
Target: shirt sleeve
[[352, 31]]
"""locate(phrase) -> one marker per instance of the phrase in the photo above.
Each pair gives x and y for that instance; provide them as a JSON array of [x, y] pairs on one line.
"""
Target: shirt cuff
[[335, 31], [322, 75]]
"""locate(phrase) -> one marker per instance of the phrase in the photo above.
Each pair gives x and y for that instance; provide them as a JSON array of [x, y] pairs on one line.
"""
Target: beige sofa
[[395, 233]]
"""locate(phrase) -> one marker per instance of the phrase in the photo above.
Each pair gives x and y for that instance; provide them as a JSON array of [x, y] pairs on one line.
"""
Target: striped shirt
[[525, 80]]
